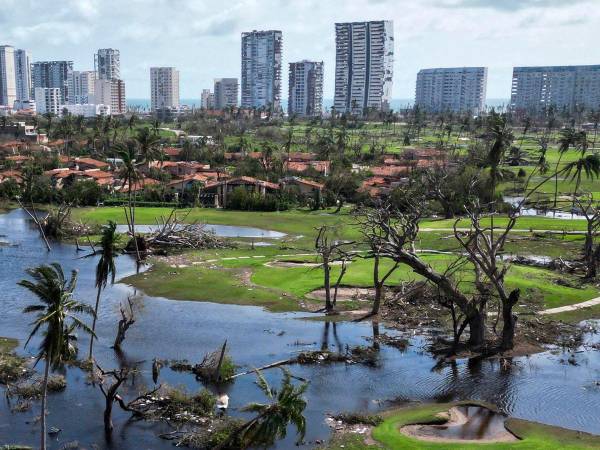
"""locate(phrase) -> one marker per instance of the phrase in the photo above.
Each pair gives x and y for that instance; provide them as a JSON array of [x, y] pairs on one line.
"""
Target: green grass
[[298, 222], [205, 284], [532, 435], [523, 223], [279, 288]]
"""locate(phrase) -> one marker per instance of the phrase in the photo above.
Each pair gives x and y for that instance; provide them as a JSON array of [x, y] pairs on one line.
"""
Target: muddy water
[[541, 387]]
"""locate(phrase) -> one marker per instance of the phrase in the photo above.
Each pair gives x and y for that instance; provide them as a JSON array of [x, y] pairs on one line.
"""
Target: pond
[[228, 231], [542, 387], [564, 215]]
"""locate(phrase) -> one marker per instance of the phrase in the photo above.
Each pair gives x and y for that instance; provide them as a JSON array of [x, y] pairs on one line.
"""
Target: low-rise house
[[305, 187], [87, 163], [218, 190], [18, 160], [6, 175], [322, 167], [172, 153]]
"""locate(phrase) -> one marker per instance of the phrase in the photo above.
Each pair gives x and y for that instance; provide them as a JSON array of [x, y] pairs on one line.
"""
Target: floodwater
[[573, 215], [541, 387], [229, 231]]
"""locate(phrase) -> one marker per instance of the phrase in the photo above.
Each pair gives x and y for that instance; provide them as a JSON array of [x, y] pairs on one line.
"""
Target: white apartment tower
[[48, 100], [537, 88], [305, 94], [460, 89], [207, 99], [23, 76], [81, 87], [364, 66], [225, 93], [8, 86], [261, 69], [107, 63], [164, 87]]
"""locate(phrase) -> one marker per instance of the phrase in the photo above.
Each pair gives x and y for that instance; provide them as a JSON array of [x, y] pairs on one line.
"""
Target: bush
[[83, 193], [9, 189], [356, 418], [240, 199]]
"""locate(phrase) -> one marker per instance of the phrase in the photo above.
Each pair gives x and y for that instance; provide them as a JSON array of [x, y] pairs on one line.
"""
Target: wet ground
[[542, 387]]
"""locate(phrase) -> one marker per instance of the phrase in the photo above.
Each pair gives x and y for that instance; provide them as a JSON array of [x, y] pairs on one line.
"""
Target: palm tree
[[55, 309], [104, 269], [147, 145], [130, 176], [48, 116], [131, 122], [588, 165], [272, 419], [568, 137]]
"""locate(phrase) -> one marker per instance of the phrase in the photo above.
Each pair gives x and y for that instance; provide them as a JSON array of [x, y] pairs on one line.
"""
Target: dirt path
[[575, 307]]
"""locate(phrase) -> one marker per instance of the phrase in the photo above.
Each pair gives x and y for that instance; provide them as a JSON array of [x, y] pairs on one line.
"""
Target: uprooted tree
[[400, 230]]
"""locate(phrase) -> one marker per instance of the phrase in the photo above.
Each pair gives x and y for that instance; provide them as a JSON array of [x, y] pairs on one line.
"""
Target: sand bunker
[[464, 424]]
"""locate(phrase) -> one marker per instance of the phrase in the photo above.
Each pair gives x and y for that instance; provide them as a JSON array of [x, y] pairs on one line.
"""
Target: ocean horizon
[[396, 104]]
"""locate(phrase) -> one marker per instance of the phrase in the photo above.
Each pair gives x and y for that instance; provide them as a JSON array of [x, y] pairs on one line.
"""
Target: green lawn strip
[[199, 283], [532, 435], [537, 284], [290, 222], [523, 223]]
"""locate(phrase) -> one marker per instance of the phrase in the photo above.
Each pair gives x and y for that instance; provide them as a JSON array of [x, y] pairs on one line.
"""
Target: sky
[[201, 38]]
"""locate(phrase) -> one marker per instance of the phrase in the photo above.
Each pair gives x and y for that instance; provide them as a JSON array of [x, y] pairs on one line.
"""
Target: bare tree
[[484, 253], [127, 319], [375, 237], [111, 392], [401, 230], [331, 251]]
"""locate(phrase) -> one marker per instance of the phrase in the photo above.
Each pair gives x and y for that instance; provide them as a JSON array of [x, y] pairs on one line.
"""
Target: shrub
[[240, 199]]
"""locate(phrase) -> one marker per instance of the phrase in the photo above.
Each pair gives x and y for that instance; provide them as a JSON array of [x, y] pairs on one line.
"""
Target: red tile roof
[[243, 181], [90, 162]]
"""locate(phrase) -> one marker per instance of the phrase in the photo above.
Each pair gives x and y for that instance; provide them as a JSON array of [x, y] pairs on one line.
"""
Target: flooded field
[[543, 387]]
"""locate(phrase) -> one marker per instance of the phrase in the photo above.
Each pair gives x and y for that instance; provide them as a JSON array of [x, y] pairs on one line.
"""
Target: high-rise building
[[364, 66], [261, 69], [8, 87], [23, 76], [226, 93], [52, 74], [164, 87], [48, 100], [536, 88], [81, 87], [111, 93], [305, 95], [107, 63], [207, 99], [460, 89]]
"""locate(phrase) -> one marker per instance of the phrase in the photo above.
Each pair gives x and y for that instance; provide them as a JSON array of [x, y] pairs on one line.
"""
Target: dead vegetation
[[173, 233]]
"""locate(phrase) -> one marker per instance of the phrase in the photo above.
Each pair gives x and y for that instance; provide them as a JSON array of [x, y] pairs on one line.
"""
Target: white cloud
[[202, 37]]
